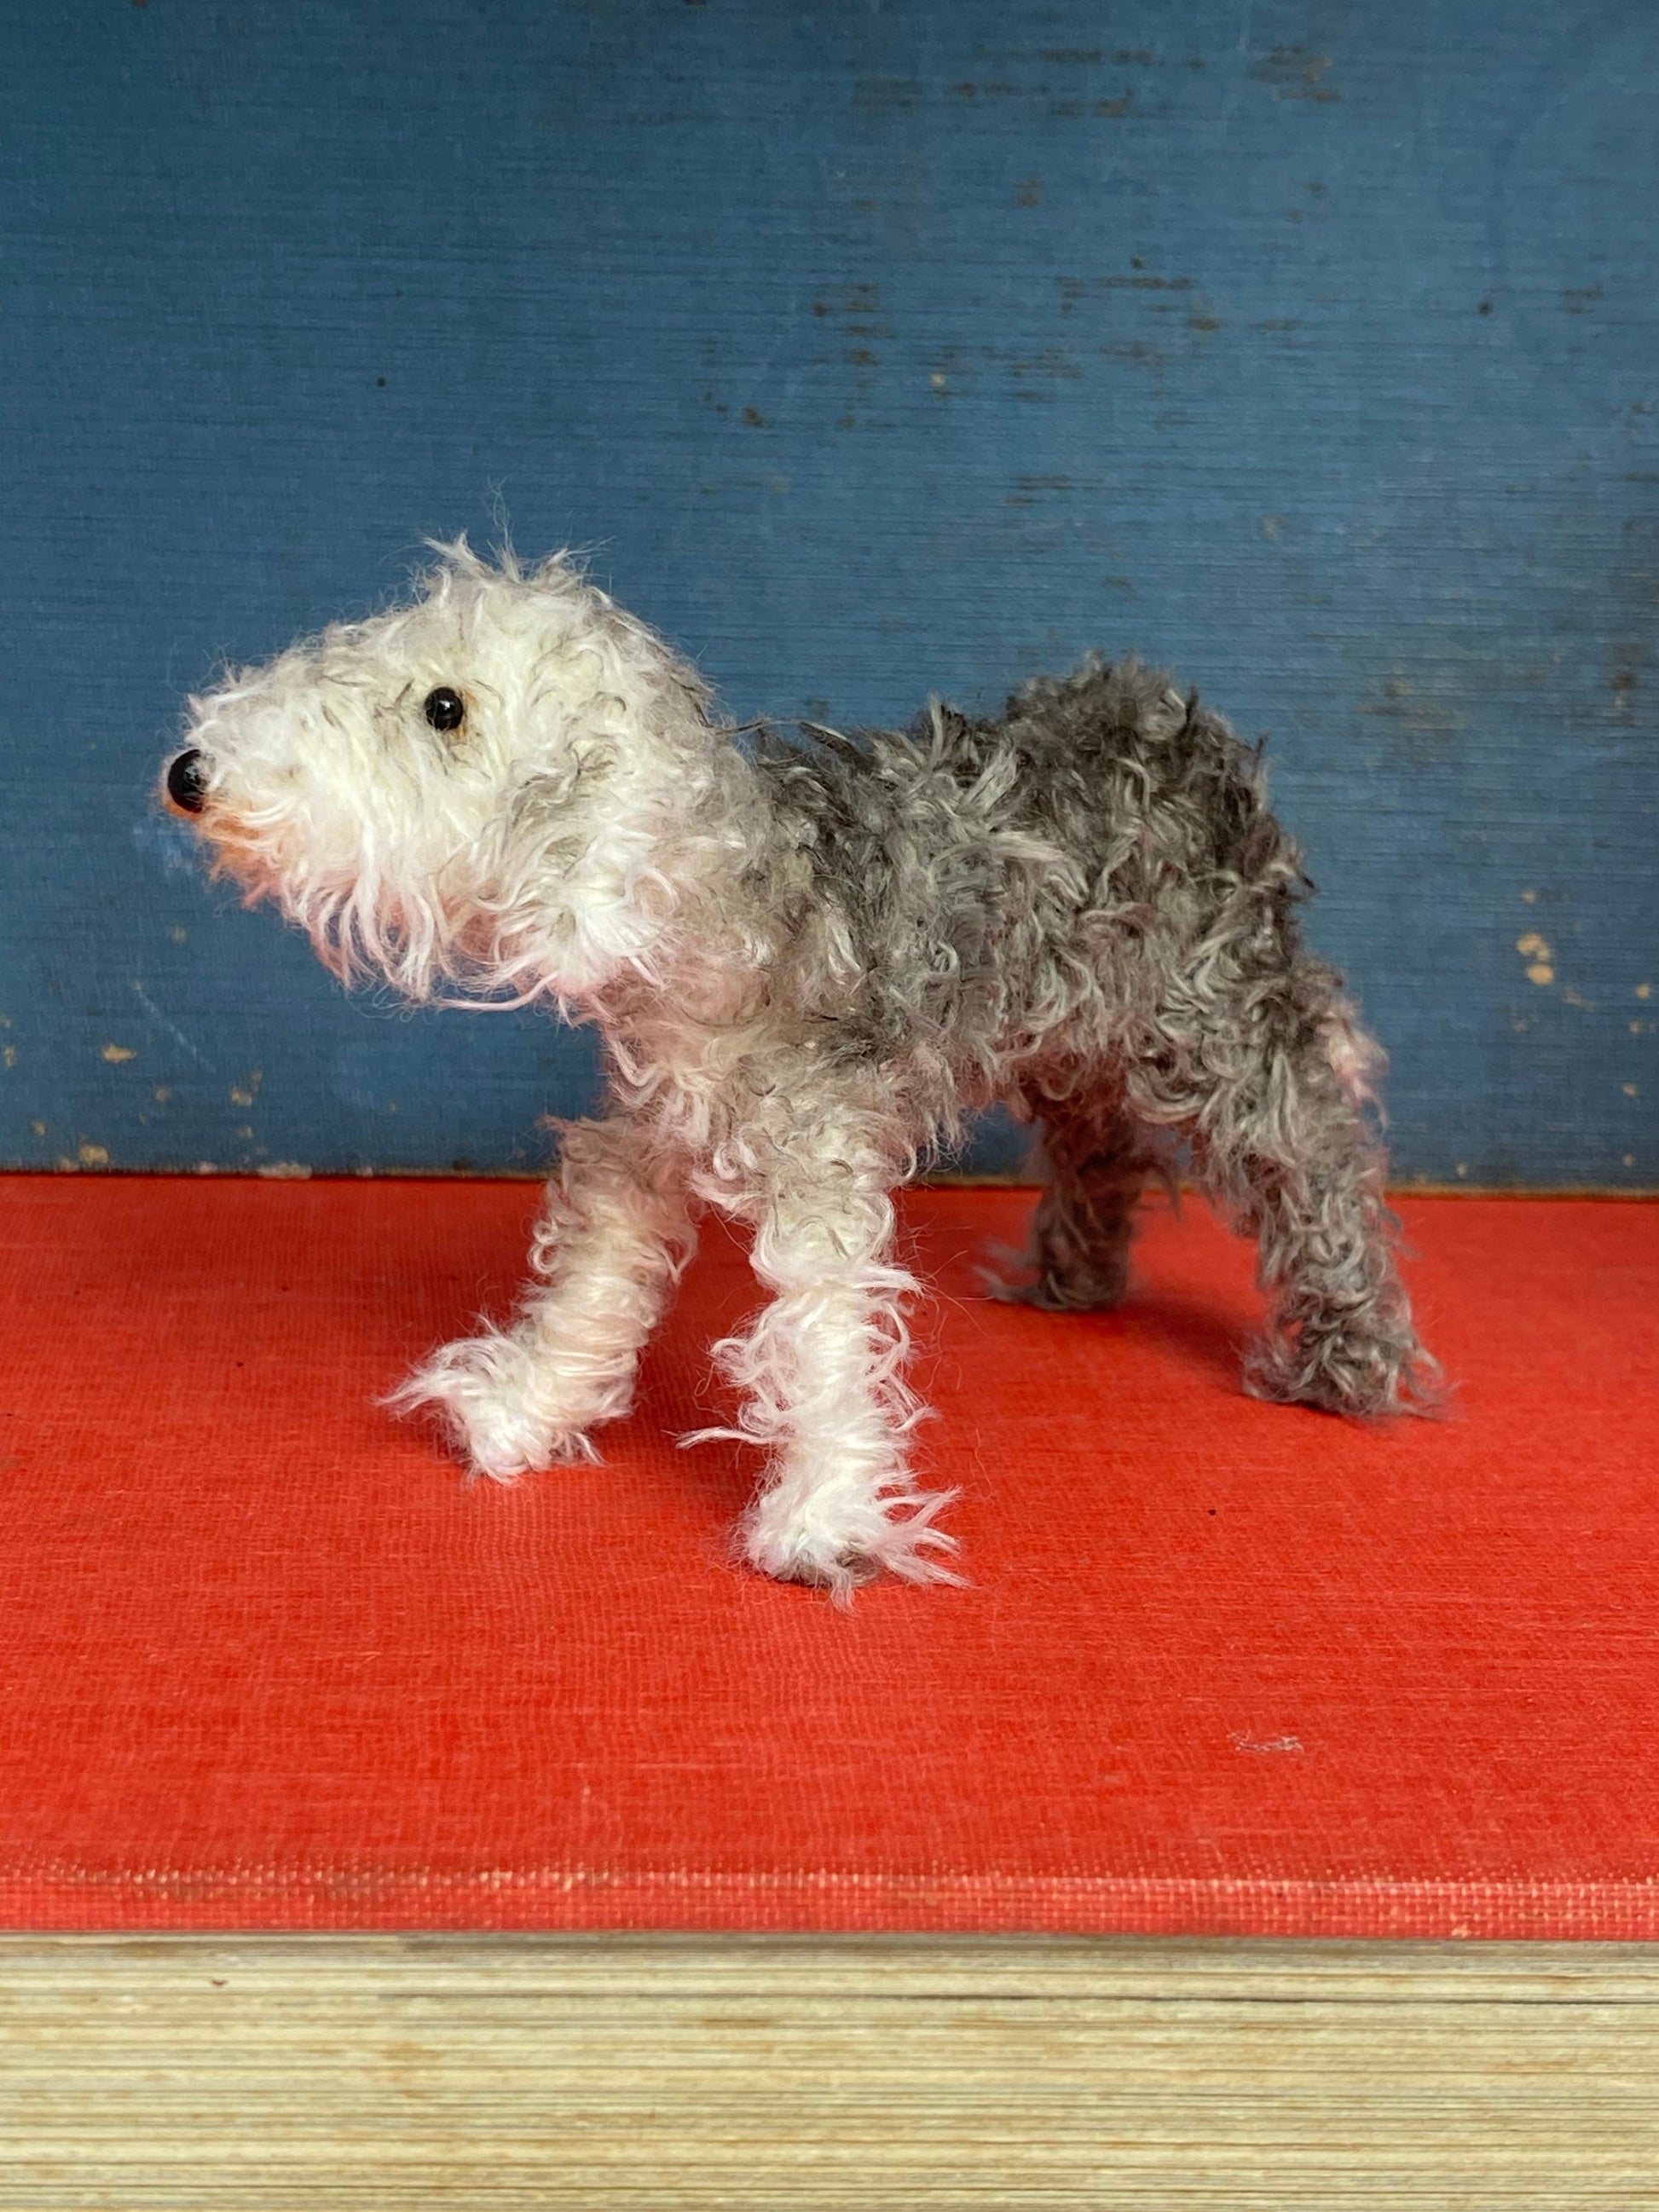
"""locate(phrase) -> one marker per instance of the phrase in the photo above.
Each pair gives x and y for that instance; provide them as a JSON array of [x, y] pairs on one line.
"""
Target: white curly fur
[[589, 836]]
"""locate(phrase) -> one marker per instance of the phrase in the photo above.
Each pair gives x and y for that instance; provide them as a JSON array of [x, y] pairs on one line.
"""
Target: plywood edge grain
[[271, 2073]]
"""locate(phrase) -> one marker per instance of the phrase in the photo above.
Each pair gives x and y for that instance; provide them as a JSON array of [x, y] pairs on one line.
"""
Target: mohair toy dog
[[809, 962]]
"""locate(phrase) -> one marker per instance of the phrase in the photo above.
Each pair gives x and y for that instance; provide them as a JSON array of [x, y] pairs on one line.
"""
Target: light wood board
[[271, 2074]]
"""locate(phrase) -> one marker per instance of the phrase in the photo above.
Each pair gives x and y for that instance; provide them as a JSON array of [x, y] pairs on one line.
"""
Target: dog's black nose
[[187, 782]]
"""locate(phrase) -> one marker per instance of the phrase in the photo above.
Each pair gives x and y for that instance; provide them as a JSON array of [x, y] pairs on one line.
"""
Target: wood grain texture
[[276, 2075], [911, 345]]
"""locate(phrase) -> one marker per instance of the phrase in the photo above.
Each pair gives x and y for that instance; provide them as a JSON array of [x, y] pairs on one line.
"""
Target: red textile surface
[[267, 1660]]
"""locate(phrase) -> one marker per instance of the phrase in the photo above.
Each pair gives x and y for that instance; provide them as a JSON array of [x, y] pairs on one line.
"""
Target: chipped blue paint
[[871, 349]]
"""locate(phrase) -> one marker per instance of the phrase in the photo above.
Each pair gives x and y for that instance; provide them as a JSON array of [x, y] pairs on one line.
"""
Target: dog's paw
[[497, 1405], [838, 1544], [1371, 1371]]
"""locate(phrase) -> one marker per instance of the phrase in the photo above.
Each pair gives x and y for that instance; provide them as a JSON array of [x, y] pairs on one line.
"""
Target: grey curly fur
[[1083, 906]]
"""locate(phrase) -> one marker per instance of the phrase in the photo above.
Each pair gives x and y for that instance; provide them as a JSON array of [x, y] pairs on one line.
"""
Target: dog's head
[[481, 786]]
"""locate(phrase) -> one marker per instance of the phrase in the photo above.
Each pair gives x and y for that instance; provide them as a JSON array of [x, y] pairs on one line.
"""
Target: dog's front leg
[[611, 1241], [822, 1370]]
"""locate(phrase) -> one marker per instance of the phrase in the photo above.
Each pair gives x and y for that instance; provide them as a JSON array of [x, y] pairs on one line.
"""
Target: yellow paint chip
[[1629, 1089], [161, 1093], [115, 1053], [1644, 990], [178, 935], [9, 1053], [1530, 898], [1462, 1167], [39, 1127], [1536, 951], [241, 1097], [94, 1156], [937, 381]]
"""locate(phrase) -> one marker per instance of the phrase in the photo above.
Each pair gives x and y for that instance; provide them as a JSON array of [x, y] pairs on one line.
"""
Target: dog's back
[[998, 880]]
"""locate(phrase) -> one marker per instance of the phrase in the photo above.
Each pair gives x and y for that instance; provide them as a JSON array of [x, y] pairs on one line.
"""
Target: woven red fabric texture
[[268, 1661]]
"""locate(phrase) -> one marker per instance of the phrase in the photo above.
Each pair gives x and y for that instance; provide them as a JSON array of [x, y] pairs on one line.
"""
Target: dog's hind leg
[[1282, 1143], [612, 1239], [1096, 1162]]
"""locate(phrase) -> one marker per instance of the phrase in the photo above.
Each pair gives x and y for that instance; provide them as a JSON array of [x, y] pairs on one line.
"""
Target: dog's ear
[[580, 768]]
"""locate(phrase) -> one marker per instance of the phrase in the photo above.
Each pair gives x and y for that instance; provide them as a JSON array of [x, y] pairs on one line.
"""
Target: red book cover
[[269, 1660]]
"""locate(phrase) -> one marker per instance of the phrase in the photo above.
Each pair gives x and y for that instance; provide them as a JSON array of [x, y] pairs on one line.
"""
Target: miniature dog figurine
[[809, 962]]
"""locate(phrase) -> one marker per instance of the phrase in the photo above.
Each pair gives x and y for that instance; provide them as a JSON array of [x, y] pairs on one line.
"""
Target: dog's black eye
[[444, 708]]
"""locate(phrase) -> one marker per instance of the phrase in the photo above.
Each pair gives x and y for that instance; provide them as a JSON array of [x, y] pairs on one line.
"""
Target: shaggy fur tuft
[[810, 962]]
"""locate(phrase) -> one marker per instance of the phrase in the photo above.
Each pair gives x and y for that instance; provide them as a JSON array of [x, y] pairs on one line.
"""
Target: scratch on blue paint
[[171, 1028]]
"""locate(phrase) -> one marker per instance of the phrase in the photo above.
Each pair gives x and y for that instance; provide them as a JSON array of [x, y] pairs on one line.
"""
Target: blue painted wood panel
[[874, 349]]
